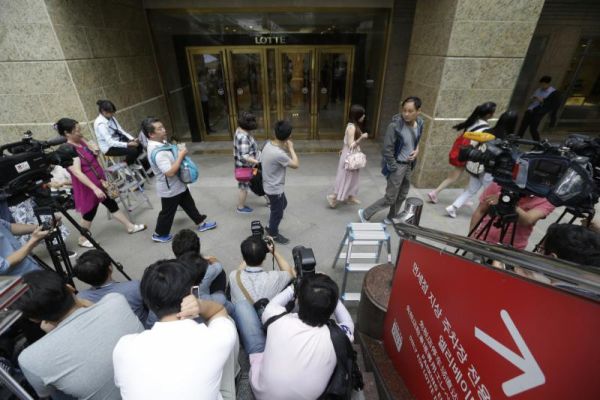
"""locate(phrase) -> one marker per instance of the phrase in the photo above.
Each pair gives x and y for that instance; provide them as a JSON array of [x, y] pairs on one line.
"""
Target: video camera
[[26, 166], [259, 231]]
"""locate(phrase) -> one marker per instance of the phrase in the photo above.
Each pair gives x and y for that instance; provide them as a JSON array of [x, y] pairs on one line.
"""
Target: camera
[[304, 261], [25, 166], [562, 173], [259, 231]]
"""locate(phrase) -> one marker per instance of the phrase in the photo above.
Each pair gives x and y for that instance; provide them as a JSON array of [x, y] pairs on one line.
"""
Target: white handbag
[[356, 159]]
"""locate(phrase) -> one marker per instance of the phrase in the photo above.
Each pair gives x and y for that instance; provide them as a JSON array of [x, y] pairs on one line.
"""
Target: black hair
[[479, 112], [573, 243], [412, 99], [506, 124], [93, 267], [148, 125], [196, 264], [545, 79], [254, 251], [185, 241], [283, 130], [65, 125], [164, 284], [106, 106], [356, 113], [247, 121], [317, 298], [47, 299]]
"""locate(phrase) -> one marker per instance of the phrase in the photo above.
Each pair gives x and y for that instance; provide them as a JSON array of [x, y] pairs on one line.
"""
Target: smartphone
[[195, 291]]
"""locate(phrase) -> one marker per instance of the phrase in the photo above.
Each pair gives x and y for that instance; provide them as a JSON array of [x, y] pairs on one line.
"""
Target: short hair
[[283, 129], [185, 241], [93, 267], [47, 299], [247, 121], [545, 79], [65, 125], [106, 106], [164, 284], [196, 264], [254, 251], [573, 243], [412, 99], [148, 125], [317, 298]]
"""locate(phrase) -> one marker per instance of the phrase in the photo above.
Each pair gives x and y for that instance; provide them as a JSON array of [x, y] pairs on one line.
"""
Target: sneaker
[[387, 221], [432, 197], [71, 254], [85, 243], [361, 215], [279, 238], [162, 239], [244, 210], [137, 228], [451, 210], [206, 226]]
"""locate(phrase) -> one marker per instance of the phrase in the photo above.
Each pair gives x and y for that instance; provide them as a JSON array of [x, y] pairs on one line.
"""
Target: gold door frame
[[314, 51]]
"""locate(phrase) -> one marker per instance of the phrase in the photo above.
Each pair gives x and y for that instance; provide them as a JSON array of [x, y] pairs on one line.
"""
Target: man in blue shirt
[[14, 258]]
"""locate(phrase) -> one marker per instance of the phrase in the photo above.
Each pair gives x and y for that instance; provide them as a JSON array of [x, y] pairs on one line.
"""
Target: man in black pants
[[545, 100], [171, 190]]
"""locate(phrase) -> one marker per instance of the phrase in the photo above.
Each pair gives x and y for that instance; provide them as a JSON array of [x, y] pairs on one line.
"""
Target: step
[[362, 242], [360, 255], [349, 296], [359, 267], [367, 226], [370, 235]]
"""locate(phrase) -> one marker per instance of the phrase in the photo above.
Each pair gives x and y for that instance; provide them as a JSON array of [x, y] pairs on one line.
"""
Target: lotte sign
[[457, 330]]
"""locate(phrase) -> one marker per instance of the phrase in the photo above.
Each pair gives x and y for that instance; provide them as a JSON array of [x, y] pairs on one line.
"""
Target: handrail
[[586, 278]]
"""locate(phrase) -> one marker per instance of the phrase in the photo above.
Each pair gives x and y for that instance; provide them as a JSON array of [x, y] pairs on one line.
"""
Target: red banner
[[457, 330]]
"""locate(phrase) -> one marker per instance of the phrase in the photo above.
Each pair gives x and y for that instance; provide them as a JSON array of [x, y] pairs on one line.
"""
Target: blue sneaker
[[162, 239], [206, 226], [245, 210]]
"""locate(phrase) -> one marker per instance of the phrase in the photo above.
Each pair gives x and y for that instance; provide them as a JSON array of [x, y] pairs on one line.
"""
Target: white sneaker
[[451, 210]]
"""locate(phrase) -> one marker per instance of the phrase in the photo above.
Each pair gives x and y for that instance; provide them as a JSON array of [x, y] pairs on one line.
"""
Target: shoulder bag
[[260, 304], [111, 189]]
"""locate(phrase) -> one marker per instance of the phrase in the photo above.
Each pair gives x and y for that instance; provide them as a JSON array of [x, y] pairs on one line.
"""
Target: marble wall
[[463, 53]]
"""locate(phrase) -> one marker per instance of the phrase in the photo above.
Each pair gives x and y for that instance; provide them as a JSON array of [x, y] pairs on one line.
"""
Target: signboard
[[457, 330]]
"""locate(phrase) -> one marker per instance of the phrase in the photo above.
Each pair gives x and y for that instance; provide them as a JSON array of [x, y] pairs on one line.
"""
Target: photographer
[[303, 338], [112, 138], [530, 209], [14, 257]]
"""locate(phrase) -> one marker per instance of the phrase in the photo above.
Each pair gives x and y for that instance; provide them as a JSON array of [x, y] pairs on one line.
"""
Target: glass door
[[246, 67], [334, 70], [296, 81], [207, 70]]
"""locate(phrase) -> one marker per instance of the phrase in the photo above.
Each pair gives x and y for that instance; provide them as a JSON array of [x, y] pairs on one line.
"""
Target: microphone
[[480, 137], [54, 141]]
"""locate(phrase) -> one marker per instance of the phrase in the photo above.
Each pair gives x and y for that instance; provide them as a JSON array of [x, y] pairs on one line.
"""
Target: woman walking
[[245, 154], [346, 181], [477, 122], [86, 175]]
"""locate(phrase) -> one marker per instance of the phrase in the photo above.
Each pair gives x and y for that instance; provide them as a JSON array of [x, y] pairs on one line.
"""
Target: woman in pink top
[[346, 182], [86, 173]]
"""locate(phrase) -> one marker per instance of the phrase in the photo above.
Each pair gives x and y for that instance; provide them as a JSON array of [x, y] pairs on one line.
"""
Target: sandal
[[85, 243], [331, 200], [137, 228], [353, 200]]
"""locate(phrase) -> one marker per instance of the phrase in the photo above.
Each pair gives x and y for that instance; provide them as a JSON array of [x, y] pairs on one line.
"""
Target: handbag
[[244, 174], [355, 160], [110, 188]]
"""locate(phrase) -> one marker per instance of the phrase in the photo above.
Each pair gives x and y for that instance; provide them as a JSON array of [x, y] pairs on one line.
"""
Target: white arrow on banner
[[532, 374]]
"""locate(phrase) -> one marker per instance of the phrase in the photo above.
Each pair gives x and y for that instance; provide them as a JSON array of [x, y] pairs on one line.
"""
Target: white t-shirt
[[174, 360], [165, 186]]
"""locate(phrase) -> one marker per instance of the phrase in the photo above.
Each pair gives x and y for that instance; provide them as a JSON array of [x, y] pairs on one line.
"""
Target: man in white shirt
[[113, 140], [171, 190], [178, 358], [543, 95], [299, 345]]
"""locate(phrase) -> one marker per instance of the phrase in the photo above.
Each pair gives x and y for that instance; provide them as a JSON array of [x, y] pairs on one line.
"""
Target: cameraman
[[303, 338], [530, 209], [14, 258]]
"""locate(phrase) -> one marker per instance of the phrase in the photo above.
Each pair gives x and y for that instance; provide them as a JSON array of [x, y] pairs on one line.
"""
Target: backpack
[[188, 170]]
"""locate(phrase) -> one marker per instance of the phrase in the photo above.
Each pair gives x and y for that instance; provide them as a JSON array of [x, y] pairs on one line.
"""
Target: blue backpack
[[188, 171]]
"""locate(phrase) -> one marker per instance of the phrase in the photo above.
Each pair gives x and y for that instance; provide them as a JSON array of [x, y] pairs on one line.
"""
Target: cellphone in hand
[[195, 291]]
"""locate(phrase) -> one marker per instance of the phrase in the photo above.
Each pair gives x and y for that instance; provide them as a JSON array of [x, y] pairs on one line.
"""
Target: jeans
[[398, 184], [249, 327], [169, 207], [278, 204]]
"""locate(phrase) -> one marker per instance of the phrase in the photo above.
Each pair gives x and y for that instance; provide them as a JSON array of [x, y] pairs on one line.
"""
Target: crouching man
[[299, 358]]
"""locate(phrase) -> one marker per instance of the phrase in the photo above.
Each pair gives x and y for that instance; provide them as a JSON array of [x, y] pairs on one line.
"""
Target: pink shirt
[[523, 232]]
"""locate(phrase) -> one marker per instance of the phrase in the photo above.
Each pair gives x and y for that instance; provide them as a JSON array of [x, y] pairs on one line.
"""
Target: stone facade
[[58, 57]]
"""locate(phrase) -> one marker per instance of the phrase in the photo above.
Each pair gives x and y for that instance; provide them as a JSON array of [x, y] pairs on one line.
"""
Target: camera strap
[[238, 278]]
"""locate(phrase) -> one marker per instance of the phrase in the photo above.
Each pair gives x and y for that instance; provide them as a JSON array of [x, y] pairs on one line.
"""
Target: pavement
[[308, 220]]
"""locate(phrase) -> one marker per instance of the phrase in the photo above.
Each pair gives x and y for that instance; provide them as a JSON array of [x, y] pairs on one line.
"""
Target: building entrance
[[309, 85]]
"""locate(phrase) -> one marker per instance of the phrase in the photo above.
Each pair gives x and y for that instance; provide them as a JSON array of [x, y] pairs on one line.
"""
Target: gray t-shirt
[[408, 135], [258, 283], [274, 162], [129, 289], [165, 186], [76, 357]]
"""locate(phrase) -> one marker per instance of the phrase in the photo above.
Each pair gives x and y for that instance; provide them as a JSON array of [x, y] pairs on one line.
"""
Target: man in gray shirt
[[400, 150], [74, 358], [274, 161]]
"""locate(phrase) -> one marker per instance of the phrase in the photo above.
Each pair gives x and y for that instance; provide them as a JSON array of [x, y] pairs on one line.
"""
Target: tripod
[[56, 245]]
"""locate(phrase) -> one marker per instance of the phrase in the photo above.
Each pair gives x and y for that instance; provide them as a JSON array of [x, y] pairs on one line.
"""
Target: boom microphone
[[480, 137]]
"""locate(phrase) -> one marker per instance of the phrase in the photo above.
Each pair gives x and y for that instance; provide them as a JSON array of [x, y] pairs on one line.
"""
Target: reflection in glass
[[212, 93], [272, 85], [333, 75], [247, 73], [296, 78]]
